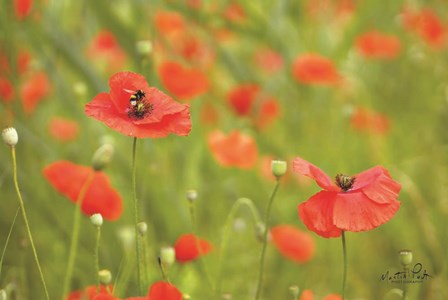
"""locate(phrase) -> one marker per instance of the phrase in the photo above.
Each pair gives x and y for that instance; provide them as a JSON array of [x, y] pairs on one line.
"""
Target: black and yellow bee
[[138, 105], [136, 97]]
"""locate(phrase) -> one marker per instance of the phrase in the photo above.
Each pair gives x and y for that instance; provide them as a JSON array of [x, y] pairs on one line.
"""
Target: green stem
[[265, 239], [75, 235], [344, 253], [140, 261], [7, 239], [225, 237], [27, 225], [97, 259]]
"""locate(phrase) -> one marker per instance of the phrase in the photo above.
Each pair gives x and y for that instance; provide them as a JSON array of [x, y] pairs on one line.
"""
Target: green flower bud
[[278, 167], [96, 219], [192, 195], [80, 89], [143, 47], [10, 136], [405, 257], [3, 295], [294, 290], [167, 256], [260, 229], [142, 228], [105, 276], [102, 157]]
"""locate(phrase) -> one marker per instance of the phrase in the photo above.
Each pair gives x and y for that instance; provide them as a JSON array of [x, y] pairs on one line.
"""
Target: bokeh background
[[379, 98]]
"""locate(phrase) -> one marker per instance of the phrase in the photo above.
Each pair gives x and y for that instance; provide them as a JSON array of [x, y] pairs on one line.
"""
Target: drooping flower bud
[[260, 229], [167, 256], [192, 195], [10, 136], [405, 257], [278, 168], [142, 228], [102, 157], [105, 276], [96, 219]]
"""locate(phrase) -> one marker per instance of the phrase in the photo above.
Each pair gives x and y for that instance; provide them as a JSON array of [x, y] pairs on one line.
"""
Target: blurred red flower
[[182, 82], [269, 60], [22, 8], [169, 22], [235, 13], [105, 49], [34, 90], [62, 129], [268, 112], [311, 68], [293, 243], [154, 115], [233, 150], [209, 114], [242, 98], [309, 295], [90, 293], [427, 25], [6, 90], [68, 179], [330, 8], [162, 290], [366, 120], [354, 203], [187, 249], [23, 61], [375, 44]]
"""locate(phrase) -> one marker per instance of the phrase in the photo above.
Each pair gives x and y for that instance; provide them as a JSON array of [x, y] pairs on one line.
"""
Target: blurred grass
[[411, 90]]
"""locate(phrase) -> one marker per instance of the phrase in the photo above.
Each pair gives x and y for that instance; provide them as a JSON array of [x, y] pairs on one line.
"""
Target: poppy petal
[[317, 214], [293, 243], [187, 249], [307, 295], [306, 168], [164, 291], [122, 84], [354, 211]]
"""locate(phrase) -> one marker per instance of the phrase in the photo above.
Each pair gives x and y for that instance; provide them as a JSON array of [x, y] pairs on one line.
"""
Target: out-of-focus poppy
[[242, 98], [68, 179], [162, 290], [209, 114], [188, 247], [269, 60], [153, 114], [33, 90], [105, 49], [333, 297], [91, 292], [337, 9], [268, 112], [23, 61], [314, 69], [193, 49], [169, 22], [427, 25], [22, 8], [235, 13], [63, 129], [293, 243], [309, 295], [366, 120], [353, 203], [233, 150], [104, 297], [184, 83], [6, 90], [375, 44]]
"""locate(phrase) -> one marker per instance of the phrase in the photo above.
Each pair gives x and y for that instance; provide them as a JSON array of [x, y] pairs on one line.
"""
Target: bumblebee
[[136, 97], [138, 105]]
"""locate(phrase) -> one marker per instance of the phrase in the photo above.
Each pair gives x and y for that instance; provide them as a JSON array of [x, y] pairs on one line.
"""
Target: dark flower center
[[344, 182], [139, 107]]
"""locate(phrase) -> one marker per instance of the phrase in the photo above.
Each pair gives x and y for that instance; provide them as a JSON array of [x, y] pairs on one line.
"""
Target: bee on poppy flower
[[136, 97], [139, 107]]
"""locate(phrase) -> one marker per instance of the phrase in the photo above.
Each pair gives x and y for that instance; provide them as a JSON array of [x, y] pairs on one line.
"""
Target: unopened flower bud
[[102, 157], [278, 167], [192, 195], [294, 290], [142, 228], [10, 136], [80, 89], [105, 276], [186, 297], [143, 47], [96, 219], [405, 257], [260, 229], [167, 256], [3, 295]]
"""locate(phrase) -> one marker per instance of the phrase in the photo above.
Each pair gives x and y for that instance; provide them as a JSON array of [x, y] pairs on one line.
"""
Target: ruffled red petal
[[68, 179], [317, 214], [122, 86], [354, 211], [306, 168], [377, 185], [187, 249], [162, 290], [293, 243]]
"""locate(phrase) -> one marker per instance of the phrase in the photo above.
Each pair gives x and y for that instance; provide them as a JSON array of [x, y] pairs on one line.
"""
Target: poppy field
[[223, 149]]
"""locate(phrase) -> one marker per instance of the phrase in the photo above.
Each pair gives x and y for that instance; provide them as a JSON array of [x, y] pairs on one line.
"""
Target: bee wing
[[129, 91]]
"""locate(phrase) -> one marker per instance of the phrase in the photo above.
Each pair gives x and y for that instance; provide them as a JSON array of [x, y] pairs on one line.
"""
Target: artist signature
[[415, 275]]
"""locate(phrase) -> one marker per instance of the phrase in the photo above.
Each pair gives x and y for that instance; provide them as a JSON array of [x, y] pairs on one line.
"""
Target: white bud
[[3, 295], [143, 47], [10, 136], [105, 276], [96, 219], [142, 228]]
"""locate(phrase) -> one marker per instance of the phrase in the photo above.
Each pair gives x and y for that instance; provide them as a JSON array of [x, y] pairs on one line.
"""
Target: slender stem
[[225, 236], [27, 225], [405, 286], [75, 235], [265, 239], [140, 261], [344, 253], [97, 259], [7, 239], [163, 271]]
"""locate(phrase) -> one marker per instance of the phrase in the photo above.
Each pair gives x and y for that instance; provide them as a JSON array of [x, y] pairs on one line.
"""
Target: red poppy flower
[[105, 49], [308, 295], [333, 297], [104, 297], [68, 179], [268, 112], [375, 44], [242, 98], [34, 90], [235, 13], [168, 22], [91, 293], [365, 120], [62, 129], [153, 115], [187, 249], [293, 243], [313, 68], [233, 150], [354, 203], [75, 295], [427, 25], [269, 60], [22, 8], [182, 82], [162, 290], [6, 90]]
